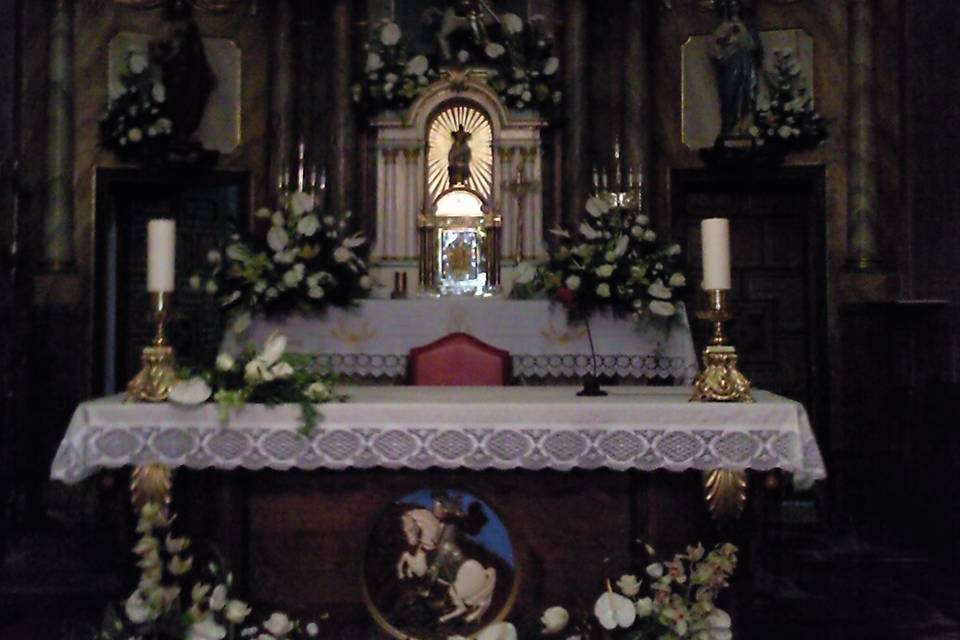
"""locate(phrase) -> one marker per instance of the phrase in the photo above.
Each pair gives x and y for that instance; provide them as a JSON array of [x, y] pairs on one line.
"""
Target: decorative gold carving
[[506, 153], [720, 381], [528, 153], [150, 483], [550, 334], [725, 492], [390, 155], [344, 333], [411, 154], [158, 372]]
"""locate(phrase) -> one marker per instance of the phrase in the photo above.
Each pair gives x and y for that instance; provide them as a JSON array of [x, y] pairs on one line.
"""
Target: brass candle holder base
[[158, 372], [720, 380]]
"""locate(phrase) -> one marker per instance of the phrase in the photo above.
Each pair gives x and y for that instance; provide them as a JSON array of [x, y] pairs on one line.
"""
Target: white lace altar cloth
[[542, 427], [373, 339]]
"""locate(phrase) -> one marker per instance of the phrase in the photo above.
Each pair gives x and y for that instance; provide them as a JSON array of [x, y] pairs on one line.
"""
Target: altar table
[[475, 428], [577, 481], [372, 340]]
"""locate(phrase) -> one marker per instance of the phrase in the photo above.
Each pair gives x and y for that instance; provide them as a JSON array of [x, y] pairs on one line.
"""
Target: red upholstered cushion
[[459, 360]]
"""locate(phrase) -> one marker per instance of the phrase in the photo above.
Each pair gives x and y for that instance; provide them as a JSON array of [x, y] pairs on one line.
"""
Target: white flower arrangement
[[523, 67], [787, 121], [680, 604], [613, 262], [306, 261], [135, 124], [178, 598]]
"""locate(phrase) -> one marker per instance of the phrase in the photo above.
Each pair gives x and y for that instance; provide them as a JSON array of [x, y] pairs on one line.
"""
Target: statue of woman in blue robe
[[737, 55]]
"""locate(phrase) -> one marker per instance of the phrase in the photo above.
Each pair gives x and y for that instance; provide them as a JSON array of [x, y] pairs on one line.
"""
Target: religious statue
[[187, 76], [458, 159], [737, 53]]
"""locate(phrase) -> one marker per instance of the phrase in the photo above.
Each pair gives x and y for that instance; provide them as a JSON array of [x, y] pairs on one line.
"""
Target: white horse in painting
[[471, 592]]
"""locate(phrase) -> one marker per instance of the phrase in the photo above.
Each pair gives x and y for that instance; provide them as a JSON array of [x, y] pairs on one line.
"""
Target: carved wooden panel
[[776, 219], [205, 205]]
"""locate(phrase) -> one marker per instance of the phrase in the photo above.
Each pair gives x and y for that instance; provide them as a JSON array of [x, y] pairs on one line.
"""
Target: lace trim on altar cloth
[[445, 447], [363, 365]]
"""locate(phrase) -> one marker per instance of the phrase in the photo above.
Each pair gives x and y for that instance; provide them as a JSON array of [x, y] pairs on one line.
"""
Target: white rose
[[237, 611], [603, 290], [644, 607], [374, 62], [551, 66], [597, 207], [366, 282], [677, 280], [301, 203], [628, 585], [554, 619], [195, 282], [190, 392], [136, 609], [613, 610], [463, 56], [206, 629], [317, 391], [211, 287], [512, 23], [277, 238], [655, 570], [137, 63], [649, 235], [662, 308], [573, 283], [329, 220], [416, 66], [673, 250], [292, 277], [159, 92], [526, 272], [498, 631], [341, 254], [225, 362], [315, 292], [605, 271], [784, 131], [279, 624], [494, 50], [391, 78], [527, 96], [135, 134], [218, 599], [390, 34], [657, 290], [312, 629]]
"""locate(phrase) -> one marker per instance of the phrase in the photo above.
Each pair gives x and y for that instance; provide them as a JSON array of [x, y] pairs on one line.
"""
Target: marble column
[[575, 110], [637, 105], [862, 214], [343, 135], [282, 104], [58, 185]]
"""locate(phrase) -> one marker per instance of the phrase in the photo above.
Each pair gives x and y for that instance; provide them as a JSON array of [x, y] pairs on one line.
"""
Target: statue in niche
[[458, 160], [188, 79], [737, 54]]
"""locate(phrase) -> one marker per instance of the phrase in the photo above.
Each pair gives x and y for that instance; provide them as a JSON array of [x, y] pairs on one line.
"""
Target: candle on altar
[[715, 233], [161, 250]]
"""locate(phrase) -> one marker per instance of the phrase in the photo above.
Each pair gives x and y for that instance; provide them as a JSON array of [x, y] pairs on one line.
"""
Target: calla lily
[[275, 346], [614, 610]]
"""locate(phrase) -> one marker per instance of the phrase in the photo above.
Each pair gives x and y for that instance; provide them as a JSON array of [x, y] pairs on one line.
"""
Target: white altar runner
[[546, 427], [373, 339]]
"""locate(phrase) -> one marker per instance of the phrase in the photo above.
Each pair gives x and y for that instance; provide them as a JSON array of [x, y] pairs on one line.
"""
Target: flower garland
[[271, 377], [787, 121], [522, 68], [178, 598], [135, 124], [613, 262], [305, 261]]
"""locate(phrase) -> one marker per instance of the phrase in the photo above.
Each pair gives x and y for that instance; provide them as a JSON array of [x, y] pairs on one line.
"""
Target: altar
[[575, 482]]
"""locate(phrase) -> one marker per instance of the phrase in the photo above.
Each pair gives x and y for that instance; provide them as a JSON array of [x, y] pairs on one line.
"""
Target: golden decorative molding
[[725, 493], [411, 154], [506, 153], [720, 380], [528, 153], [150, 483]]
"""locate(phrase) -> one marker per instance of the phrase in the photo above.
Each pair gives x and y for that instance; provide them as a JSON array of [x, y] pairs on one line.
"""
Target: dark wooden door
[[777, 245], [207, 205]]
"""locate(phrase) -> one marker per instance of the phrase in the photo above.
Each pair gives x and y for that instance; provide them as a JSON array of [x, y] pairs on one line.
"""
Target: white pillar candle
[[715, 233], [161, 250]]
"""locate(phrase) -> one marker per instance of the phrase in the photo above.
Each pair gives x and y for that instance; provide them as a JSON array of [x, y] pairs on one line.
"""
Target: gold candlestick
[[720, 381], [158, 371]]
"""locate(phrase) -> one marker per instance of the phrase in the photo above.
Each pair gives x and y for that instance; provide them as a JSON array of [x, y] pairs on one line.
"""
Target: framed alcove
[[778, 247], [207, 205]]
